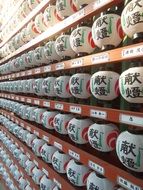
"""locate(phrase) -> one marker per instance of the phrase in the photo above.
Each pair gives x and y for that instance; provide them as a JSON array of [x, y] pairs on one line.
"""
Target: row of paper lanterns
[[61, 162], [106, 31], [102, 137], [6, 177], [31, 169], [103, 85]]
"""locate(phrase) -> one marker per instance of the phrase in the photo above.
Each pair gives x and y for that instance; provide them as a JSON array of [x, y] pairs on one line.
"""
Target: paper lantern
[[64, 9], [22, 183], [63, 47], [31, 30], [46, 183], [30, 58], [37, 86], [39, 23], [30, 138], [22, 111], [60, 122], [38, 115], [26, 9], [29, 113], [48, 86], [80, 85], [29, 167], [130, 85], [77, 130], [77, 4], [104, 85], [77, 173], [47, 119], [28, 187], [81, 40], [12, 147], [107, 31], [16, 153], [129, 148], [22, 160], [61, 87], [33, 3], [103, 137], [47, 152], [50, 52], [37, 145], [29, 86], [17, 175], [39, 56], [8, 162], [131, 26], [60, 161], [99, 182], [37, 175], [50, 17]]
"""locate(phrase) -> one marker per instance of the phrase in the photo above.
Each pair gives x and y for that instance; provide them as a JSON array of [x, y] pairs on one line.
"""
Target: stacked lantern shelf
[[98, 162]]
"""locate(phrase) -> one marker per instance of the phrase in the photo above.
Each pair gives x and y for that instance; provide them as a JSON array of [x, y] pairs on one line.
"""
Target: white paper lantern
[[30, 138], [103, 137], [61, 87], [22, 160], [130, 25], [48, 86], [39, 23], [17, 175], [61, 121], [46, 183], [37, 145], [80, 85], [38, 90], [81, 40], [31, 30], [47, 119], [39, 56], [33, 3], [38, 114], [37, 175], [29, 113], [78, 129], [28, 187], [77, 173], [104, 85], [64, 9], [23, 110], [26, 9], [77, 4], [47, 152], [50, 52], [50, 17], [100, 183], [30, 61], [129, 148], [60, 161], [29, 167], [130, 84], [107, 31], [22, 183], [17, 153], [63, 47], [29, 86]]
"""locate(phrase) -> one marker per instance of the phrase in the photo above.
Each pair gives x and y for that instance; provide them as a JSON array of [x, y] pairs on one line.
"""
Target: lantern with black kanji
[[95, 181], [103, 137], [80, 85], [132, 20], [131, 85], [107, 31], [129, 148], [104, 85], [77, 173]]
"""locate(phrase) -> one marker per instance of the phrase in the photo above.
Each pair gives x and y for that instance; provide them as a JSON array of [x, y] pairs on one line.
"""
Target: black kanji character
[[128, 148]]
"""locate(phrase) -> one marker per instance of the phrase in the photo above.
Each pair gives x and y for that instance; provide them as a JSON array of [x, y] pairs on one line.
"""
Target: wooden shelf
[[113, 56], [11, 177], [31, 16], [114, 115], [61, 181], [28, 178], [110, 171], [88, 11]]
